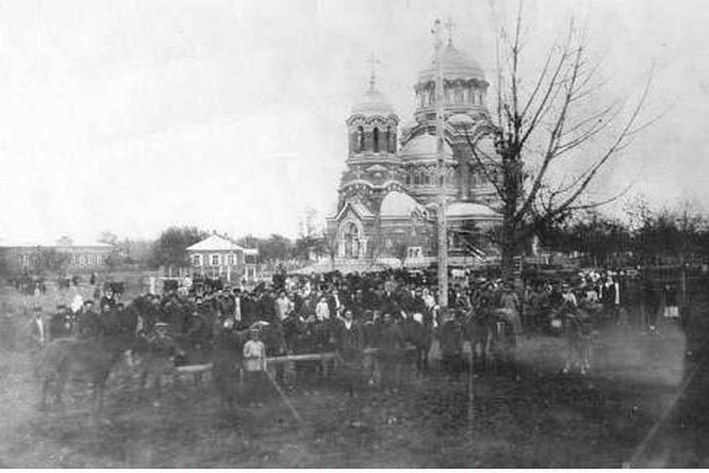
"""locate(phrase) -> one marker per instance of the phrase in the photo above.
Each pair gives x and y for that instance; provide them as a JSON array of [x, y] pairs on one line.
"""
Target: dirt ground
[[528, 416]]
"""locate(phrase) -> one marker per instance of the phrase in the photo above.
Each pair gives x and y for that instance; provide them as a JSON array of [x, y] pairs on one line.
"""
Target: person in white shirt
[[322, 311], [37, 331], [255, 368], [283, 306]]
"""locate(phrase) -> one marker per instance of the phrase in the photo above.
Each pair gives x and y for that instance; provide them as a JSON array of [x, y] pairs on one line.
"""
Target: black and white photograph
[[354, 234]]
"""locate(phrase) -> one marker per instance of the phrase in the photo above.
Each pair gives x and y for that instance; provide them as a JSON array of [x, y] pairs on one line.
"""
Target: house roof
[[216, 243], [63, 242]]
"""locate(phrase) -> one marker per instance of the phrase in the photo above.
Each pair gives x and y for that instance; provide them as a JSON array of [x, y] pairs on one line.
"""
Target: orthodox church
[[388, 194]]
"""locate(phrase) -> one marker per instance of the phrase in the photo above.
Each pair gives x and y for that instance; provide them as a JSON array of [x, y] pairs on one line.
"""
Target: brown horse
[[90, 360]]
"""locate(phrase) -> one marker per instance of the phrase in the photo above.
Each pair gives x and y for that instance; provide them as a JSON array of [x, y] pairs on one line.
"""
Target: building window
[[83, 260], [230, 260], [360, 139], [197, 260], [375, 140], [215, 260]]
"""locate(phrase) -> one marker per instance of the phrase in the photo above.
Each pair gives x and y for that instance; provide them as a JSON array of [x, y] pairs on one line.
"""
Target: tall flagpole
[[440, 148]]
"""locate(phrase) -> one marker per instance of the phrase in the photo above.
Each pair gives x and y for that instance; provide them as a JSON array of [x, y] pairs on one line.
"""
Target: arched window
[[391, 141], [375, 140], [360, 139]]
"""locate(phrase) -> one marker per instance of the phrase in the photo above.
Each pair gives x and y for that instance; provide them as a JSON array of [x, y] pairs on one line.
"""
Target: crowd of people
[[393, 313]]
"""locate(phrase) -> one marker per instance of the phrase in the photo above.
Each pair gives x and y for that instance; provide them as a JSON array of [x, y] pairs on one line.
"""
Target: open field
[[532, 416]]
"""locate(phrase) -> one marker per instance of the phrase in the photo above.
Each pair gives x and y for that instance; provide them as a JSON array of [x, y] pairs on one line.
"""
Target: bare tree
[[540, 127]]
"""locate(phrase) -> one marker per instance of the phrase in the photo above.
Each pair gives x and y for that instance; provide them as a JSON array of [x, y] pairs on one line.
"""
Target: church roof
[[424, 147], [469, 210], [373, 103], [398, 205], [358, 207], [461, 119], [215, 243], [456, 65]]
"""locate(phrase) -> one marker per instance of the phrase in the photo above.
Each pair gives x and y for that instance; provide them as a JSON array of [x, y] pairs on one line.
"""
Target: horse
[[492, 334], [88, 359]]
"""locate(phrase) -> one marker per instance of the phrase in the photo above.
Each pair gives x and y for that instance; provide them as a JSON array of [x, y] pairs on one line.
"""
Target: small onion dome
[[470, 211], [425, 147], [373, 103], [398, 204], [456, 65], [461, 119]]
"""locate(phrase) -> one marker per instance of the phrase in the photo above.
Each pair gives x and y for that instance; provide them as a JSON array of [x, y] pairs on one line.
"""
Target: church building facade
[[388, 194]]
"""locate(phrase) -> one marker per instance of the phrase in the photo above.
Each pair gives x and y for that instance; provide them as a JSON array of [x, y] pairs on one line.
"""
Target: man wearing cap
[[89, 322], [255, 368], [162, 351]]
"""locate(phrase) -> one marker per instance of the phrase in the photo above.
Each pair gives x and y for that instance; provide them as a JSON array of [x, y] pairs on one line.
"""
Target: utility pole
[[440, 148]]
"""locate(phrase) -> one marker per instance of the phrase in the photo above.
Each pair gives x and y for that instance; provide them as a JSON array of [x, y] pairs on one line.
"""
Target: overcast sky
[[130, 116]]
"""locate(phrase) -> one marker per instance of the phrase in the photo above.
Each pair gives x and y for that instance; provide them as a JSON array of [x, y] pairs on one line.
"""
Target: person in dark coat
[[349, 342], [391, 350], [89, 322], [452, 337], [60, 324]]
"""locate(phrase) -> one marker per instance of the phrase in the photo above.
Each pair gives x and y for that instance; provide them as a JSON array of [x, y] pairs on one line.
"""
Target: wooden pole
[[286, 401], [440, 148]]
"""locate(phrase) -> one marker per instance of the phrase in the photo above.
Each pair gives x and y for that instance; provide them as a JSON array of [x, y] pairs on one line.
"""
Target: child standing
[[255, 367]]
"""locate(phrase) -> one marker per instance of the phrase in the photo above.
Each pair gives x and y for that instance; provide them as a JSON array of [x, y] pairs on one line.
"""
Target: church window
[[375, 140], [458, 96], [360, 139]]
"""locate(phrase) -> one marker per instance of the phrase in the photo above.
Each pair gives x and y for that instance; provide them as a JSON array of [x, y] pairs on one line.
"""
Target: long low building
[[64, 254]]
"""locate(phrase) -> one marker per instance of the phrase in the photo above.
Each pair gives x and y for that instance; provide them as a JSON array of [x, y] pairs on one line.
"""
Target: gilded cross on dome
[[373, 61]]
